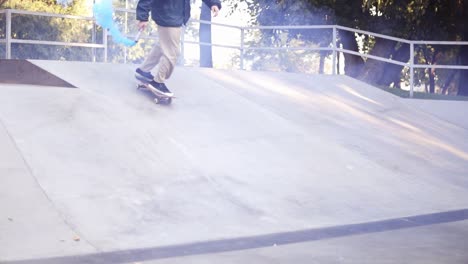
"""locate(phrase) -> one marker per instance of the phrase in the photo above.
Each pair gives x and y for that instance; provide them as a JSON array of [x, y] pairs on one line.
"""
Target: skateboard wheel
[[169, 100], [156, 100]]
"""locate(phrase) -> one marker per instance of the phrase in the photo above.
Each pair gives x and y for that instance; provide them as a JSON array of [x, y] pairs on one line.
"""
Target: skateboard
[[159, 97]]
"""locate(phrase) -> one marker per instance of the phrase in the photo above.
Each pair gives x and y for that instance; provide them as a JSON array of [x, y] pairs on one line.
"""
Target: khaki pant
[[164, 53]]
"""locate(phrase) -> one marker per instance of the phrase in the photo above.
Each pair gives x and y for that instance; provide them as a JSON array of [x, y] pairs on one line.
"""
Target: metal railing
[[410, 64], [333, 47], [9, 39]]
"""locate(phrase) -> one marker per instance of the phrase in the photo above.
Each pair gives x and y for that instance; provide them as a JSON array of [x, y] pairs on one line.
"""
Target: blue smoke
[[103, 12]]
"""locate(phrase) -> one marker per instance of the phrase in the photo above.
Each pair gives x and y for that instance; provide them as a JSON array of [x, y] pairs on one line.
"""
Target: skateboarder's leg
[[169, 38], [143, 73], [152, 59], [169, 49]]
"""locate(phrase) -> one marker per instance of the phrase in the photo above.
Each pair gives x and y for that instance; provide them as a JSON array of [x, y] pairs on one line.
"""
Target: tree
[[287, 12], [349, 14], [461, 14], [50, 29], [407, 19]]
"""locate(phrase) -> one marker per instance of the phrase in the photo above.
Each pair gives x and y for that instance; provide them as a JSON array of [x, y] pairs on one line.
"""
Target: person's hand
[[215, 10], [142, 25]]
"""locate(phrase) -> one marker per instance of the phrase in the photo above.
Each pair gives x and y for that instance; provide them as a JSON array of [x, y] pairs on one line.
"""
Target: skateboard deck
[[159, 97]]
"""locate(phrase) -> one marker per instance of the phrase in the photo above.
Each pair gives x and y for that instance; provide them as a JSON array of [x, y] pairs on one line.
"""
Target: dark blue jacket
[[168, 13]]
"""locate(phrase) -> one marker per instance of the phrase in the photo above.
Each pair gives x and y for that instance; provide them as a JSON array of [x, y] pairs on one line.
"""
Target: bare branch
[[3, 3]]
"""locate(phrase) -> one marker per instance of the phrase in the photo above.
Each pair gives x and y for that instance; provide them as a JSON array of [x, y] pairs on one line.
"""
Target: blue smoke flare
[[103, 12]]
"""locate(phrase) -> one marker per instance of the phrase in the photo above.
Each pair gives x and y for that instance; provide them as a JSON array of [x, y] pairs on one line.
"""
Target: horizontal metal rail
[[24, 12], [290, 48], [149, 37], [447, 67], [211, 44], [423, 42], [373, 34], [125, 10], [289, 27], [57, 43], [373, 57], [213, 23]]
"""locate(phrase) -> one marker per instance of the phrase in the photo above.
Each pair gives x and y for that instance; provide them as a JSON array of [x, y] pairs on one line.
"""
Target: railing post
[[126, 31], [93, 36], [242, 48], [104, 42], [8, 34], [334, 51], [411, 69]]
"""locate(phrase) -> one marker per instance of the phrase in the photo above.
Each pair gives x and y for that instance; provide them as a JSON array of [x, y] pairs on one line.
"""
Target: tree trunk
[[432, 72], [322, 62], [374, 70], [206, 52], [352, 63], [393, 71], [448, 82], [432, 81]]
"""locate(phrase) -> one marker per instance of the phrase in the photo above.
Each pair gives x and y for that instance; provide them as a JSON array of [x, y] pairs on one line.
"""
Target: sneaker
[[143, 76], [161, 88]]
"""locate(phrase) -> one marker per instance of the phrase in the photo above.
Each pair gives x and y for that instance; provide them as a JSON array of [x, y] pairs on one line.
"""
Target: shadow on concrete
[[244, 243], [24, 72]]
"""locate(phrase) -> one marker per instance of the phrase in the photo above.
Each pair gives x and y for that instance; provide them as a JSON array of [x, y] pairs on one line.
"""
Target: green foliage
[[408, 19], [424, 20], [286, 12], [28, 27]]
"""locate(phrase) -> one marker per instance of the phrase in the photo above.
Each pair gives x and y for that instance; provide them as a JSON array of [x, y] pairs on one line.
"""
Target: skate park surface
[[253, 167]]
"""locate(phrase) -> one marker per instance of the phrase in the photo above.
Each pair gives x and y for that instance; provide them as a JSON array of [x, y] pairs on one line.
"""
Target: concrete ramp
[[24, 72], [237, 154]]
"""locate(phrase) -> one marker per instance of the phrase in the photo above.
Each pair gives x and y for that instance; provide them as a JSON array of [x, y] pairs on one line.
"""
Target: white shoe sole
[[159, 92]]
